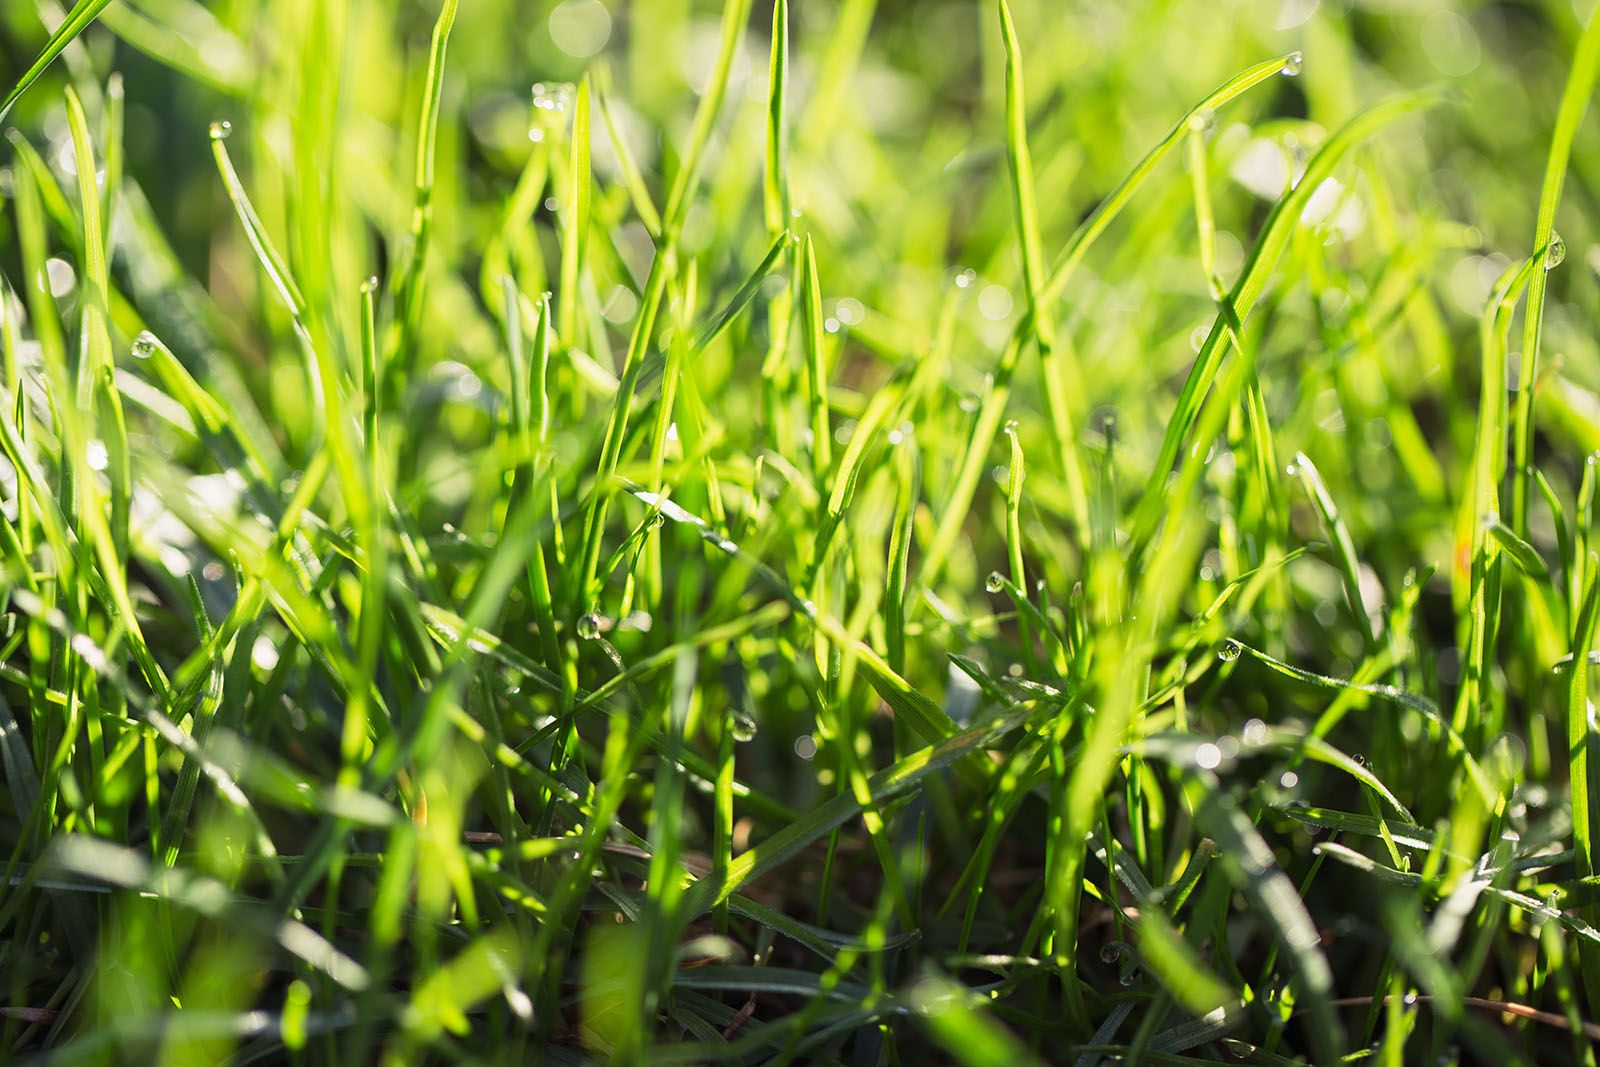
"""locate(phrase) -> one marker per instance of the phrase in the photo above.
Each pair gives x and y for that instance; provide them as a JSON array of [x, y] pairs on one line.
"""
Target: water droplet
[[1360, 760], [1289, 781], [370, 285], [1409, 999], [1203, 120], [970, 402], [1556, 253], [220, 131], [1293, 63], [996, 582], [144, 346], [589, 626], [742, 726], [1229, 651], [965, 279]]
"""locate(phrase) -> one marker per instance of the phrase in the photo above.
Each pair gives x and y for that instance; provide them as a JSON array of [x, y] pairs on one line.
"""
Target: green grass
[[844, 531]]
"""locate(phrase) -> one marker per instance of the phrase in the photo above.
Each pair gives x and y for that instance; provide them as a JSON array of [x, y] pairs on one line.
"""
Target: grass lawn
[[830, 531]]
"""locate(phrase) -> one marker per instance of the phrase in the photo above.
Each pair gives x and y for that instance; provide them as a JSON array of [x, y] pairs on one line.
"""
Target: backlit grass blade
[[83, 13], [745, 293], [775, 179], [1343, 544], [575, 218], [992, 412], [106, 863], [408, 296], [1251, 866], [815, 824], [1025, 209], [1581, 764], [1258, 267], [1551, 250]]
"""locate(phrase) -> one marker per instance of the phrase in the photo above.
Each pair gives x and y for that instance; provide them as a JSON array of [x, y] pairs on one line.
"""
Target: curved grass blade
[[1405, 698], [1251, 866], [969, 472], [408, 299], [91, 858], [817, 823], [78, 19], [1574, 102], [1263, 258], [1524, 555]]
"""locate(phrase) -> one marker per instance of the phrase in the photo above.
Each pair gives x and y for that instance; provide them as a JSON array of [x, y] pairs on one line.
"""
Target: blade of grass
[[83, 13]]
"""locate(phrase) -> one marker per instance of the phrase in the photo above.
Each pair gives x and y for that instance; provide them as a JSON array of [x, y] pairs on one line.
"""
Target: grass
[[832, 532]]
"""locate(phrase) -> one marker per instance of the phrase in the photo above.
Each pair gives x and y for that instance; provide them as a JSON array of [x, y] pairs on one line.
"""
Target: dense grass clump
[[851, 531]]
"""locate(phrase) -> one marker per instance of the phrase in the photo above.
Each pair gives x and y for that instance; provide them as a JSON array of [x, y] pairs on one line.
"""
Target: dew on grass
[[1556, 253], [221, 131], [589, 626], [741, 725], [370, 285], [1203, 121], [1229, 651], [1293, 63], [996, 582], [144, 346], [60, 276]]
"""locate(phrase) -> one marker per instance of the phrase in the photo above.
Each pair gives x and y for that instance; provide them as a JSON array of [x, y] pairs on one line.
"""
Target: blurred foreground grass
[[845, 532]]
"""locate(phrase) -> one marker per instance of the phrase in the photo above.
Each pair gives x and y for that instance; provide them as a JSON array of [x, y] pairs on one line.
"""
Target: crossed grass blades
[[585, 600]]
